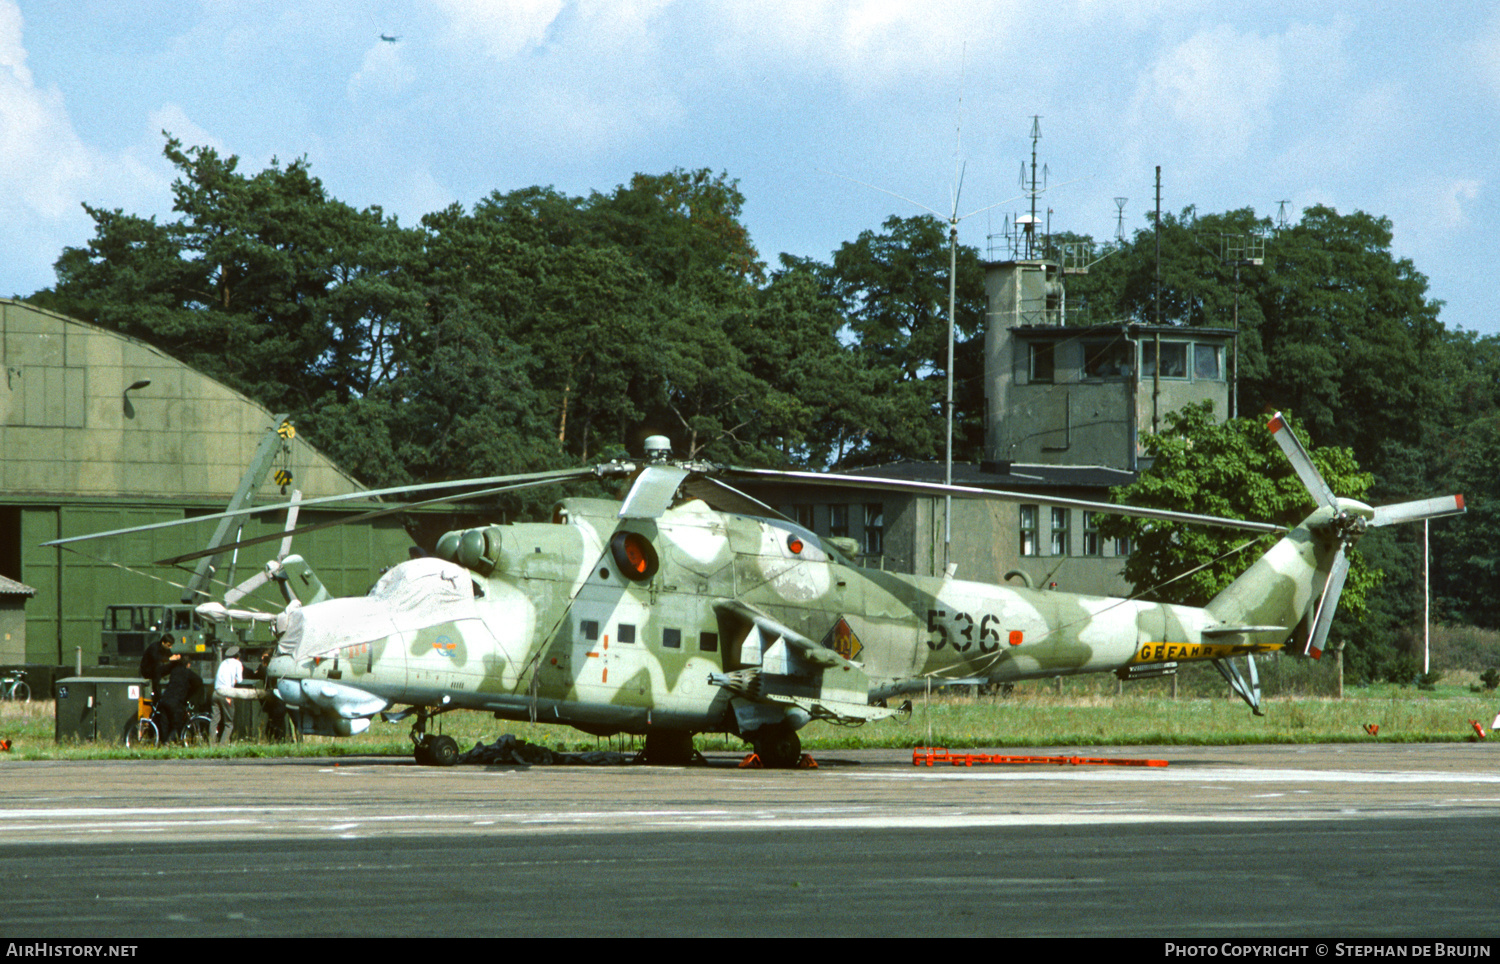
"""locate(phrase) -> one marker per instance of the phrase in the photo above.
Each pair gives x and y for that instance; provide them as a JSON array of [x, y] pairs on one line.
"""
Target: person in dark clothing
[[157, 662], [182, 686]]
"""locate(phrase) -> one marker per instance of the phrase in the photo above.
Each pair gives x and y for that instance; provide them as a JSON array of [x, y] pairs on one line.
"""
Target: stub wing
[[784, 667]]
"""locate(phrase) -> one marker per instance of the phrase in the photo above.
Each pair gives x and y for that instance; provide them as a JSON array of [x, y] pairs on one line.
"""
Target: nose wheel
[[437, 751], [432, 750]]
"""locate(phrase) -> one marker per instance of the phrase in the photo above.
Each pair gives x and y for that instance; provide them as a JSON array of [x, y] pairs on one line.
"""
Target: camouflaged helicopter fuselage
[[537, 621]]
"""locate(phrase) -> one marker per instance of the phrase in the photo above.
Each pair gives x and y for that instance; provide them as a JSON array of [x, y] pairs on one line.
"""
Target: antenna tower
[[1033, 186], [1120, 220]]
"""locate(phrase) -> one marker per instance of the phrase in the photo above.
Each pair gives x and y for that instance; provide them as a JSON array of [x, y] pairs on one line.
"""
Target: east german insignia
[[841, 640]]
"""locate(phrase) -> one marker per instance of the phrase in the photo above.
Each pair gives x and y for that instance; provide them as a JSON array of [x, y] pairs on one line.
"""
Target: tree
[[1348, 332], [892, 287], [263, 282]]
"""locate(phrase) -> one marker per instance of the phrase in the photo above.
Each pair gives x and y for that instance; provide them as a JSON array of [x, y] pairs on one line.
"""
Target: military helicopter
[[662, 616]]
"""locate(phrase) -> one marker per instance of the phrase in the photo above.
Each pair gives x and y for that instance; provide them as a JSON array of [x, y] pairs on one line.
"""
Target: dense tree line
[[536, 329], [539, 330]]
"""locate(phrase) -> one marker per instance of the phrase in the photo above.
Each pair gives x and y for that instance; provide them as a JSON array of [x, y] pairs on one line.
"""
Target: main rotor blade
[[362, 517], [521, 481], [291, 524], [1302, 463], [1328, 604], [1418, 509], [652, 492], [1001, 495], [724, 497]]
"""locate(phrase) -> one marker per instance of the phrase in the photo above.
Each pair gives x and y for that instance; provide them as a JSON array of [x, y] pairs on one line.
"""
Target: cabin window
[[1028, 530], [589, 628], [1060, 541], [708, 642], [625, 633], [671, 639]]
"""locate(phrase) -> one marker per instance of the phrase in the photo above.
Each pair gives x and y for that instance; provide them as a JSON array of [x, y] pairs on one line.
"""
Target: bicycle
[[146, 731], [13, 688]]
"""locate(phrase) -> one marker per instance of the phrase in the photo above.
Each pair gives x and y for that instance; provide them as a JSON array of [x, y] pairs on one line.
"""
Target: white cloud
[[1484, 57], [383, 72], [1450, 201], [42, 160], [871, 46], [502, 30], [1219, 90], [175, 121]]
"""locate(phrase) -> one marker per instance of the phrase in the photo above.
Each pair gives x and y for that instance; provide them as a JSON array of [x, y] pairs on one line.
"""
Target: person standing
[[226, 683], [157, 662], [181, 687]]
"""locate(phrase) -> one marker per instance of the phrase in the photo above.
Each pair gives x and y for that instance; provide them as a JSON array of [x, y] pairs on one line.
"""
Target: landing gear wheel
[[437, 751], [778, 747], [668, 748]]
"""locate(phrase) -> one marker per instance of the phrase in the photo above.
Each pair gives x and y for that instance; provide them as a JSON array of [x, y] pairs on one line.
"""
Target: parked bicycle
[[13, 688], [148, 731]]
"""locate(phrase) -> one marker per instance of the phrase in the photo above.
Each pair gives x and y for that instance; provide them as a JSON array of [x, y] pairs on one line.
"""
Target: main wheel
[[140, 733], [778, 747]]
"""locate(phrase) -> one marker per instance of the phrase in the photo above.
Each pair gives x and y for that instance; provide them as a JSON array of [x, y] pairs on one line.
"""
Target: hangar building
[[99, 431]]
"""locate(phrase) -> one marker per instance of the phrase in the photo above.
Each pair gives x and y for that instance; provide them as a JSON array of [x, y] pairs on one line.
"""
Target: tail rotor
[[1347, 522]]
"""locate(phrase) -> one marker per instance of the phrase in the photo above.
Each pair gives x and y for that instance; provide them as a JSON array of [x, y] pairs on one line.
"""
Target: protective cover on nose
[[414, 594]]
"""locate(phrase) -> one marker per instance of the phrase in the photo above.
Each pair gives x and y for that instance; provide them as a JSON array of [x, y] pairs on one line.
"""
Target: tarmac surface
[[1356, 840]]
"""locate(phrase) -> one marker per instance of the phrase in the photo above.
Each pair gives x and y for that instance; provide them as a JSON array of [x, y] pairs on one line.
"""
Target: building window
[[1206, 365], [1060, 531], [1041, 362], [1028, 530], [1174, 359], [1091, 544], [874, 528], [838, 520], [1106, 359], [1122, 546]]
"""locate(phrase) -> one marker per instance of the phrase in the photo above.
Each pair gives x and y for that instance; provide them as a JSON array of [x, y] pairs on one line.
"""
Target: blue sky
[[1368, 106]]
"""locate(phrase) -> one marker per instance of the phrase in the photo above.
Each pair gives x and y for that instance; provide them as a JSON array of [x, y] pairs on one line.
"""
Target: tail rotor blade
[[1302, 463], [1417, 510], [1328, 604]]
